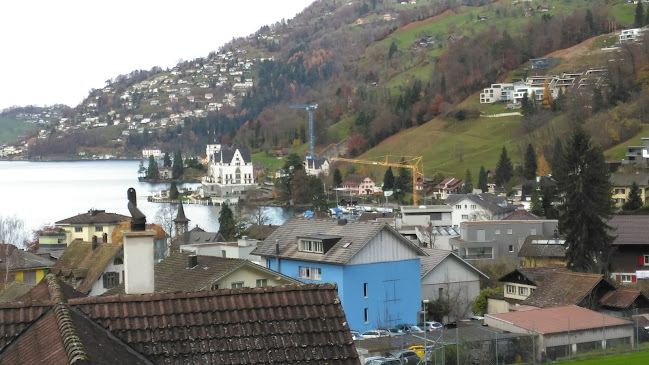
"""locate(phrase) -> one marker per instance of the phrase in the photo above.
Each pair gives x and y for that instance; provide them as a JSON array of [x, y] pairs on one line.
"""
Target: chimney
[[277, 254], [192, 261], [94, 242], [138, 262]]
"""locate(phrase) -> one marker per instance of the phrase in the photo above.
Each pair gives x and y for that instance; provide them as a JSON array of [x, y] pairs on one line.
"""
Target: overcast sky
[[56, 51]]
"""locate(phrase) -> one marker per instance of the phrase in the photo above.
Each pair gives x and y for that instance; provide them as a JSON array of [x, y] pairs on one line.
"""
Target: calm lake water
[[41, 193]]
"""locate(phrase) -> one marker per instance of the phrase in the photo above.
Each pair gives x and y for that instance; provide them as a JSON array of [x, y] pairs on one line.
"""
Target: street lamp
[[426, 301]]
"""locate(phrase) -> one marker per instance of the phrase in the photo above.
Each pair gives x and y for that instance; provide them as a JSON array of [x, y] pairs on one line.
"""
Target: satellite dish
[[388, 193]]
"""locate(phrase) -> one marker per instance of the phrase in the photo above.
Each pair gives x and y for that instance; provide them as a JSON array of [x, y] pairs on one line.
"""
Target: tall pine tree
[[530, 165], [388, 180], [639, 15], [558, 159], [634, 201], [227, 227], [468, 182], [587, 205], [177, 169], [482, 180], [504, 169], [338, 178]]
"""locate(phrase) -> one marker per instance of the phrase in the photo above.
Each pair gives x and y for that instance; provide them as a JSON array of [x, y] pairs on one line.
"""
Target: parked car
[[405, 356], [413, 329], [393, 331], [380, 360], [431, 326], [375, 333], [356, 335], [419, 350]]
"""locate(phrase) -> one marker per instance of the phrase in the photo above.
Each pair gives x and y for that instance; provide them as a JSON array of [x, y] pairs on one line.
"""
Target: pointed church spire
[[181, 222]]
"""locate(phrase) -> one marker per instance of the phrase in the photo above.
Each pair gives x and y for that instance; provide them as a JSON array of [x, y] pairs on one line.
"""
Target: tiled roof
[[173, 274], [42, 291], [490, 202], [534, 275], [354, 235], [630, 229], [315, 163], [521, 215], [82, 262], [565, 288], [436, 256], [286, 324], [642, 179], [227, 153], [374, 216], [555, 320], [450, 183], [622, 298], [17, 259], [13, 291], [94, 217], [534, 247], [353, 179], [260, 231]]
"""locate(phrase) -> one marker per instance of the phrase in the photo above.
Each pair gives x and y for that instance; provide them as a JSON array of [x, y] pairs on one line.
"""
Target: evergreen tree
[[504, 169], [530, 166], [318, 196], [141, 171], [167, 160], [468, 182], [177, 169], [634, 201], [152, 170], [292, 164], [587, 205], [639, 15], [527, 109], [338, 178], [598, 100], [549, 211], [393, 49], [388, 180], [482, 180], [173, 191], [301, 188], [403, 182], [535, 206], [227, 225], [560, 101], [558, 159], [590, 21]]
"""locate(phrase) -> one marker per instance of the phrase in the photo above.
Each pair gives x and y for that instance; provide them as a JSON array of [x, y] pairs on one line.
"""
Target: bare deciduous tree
[[165, 217]]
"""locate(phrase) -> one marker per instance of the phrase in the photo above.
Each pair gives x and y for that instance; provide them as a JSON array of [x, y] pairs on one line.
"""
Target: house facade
[[360, 185], [478, 207], [497, 93], [448, 186], [517, 286], [21, 266], [316, 166], [635, 154], [85, 226], [377, 271], [631, 263], [229, 173], [622, 186]]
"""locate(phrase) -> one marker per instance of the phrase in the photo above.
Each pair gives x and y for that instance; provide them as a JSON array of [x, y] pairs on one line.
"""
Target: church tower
[[181, 223]]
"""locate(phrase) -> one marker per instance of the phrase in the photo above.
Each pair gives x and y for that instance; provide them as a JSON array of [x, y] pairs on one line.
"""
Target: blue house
[[376, 269]]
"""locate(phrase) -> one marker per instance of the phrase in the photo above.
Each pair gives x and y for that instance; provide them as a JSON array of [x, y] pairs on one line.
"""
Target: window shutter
[[634, 279], [618, 277], [641, 260]]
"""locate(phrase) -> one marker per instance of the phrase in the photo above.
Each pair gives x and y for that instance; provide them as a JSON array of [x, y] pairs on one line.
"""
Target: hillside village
[[395, 261]]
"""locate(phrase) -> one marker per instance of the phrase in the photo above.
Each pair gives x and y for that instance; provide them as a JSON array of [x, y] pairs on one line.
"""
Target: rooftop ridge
[[69, 334], [54, 287]]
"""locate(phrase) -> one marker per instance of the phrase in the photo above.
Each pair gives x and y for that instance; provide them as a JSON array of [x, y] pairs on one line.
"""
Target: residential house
[[86, 225], [91, 267], [587, 329], [147, 152], [497, 93], [316, 166], [624, 302], [165, 173], [185, 271], [622, 186], [492, 240], [431, 225], [478, 207], [541, 251], [631, 262], [359, 185], [637, 154], [52, 239], [229, 174], [631, 35], [21, 266], [569, 288], [517, 286], [445, 276], [376, 269], [448, 186], [239, 249], [281, 324]]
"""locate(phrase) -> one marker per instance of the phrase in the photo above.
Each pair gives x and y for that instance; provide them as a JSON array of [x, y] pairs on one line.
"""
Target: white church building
[[229, 173]]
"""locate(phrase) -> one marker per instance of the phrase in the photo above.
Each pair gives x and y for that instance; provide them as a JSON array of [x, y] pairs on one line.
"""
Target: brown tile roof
[[521, 215], [623, 298], [173, 274], [565, 288], [630, 229], [354, 236], [555, 320], [82, 262], [285, 324], [17, 259], [260, 231], [535, 275], [450, 184], [42, 292], [94, 217]]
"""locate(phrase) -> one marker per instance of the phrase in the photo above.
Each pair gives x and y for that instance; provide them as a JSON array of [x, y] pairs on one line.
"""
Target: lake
[[41, 193]]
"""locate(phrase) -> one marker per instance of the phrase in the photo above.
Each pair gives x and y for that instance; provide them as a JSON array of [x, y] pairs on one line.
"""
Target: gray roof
[[227, 154], [630, 229], [541, 246], [355, 235], [493, 203], [436, 256], [14, 259], [641, 179], [315, 163]]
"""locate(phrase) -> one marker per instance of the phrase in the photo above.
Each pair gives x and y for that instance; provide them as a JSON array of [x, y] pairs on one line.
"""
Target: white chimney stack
[[138, 262]]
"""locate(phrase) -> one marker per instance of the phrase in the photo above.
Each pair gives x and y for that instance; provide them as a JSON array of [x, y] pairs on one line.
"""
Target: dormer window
[[309, 245]]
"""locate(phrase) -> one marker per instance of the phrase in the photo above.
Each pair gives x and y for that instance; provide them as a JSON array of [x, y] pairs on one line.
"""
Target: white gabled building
[[316, 166], [156, 153], [229, 172]]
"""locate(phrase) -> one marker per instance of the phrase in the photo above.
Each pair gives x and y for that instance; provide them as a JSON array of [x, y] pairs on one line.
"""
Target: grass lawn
[[340, 130], [11, 128], [626, 359], [618, 152]]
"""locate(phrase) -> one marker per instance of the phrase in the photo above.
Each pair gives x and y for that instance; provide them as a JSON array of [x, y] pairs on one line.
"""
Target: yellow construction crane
[[408, 163]]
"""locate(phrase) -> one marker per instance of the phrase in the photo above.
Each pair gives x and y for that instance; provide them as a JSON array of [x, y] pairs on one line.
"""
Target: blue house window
[[367, 315], [365, 290], [312, 273], [311, 246]]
